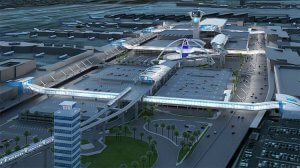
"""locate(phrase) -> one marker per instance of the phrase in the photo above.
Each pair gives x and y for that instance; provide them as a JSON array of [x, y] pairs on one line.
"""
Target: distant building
[[14, 68], [67, 136]]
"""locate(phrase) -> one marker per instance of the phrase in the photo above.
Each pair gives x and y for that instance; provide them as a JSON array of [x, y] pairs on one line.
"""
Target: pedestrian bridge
[[283, 102]]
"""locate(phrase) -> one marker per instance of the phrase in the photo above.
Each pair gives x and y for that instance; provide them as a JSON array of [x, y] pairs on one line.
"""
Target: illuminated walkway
[[69, 92], [211, 103], [284, 102]]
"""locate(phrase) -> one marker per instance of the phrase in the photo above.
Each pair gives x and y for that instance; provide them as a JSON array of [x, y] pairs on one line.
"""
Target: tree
[[168, 128], [162, 126], [17, 148], [115, 130], [154, 142], [7, 152], [186, 148], [152, 147], [141, 134], [149, 137], [188, 136], [35, 139], [192, 138], [196, 134], [17, 139], [173, 129], [6, 144], [26, 134], [134, 164], [182, 143], [149, 155], [152, 109], [176, 135], [143, 159], [156, 126], [148, 123], [126, 128], [123, 165], [184, 135], [134, 130], [145, 118], [50, 130]]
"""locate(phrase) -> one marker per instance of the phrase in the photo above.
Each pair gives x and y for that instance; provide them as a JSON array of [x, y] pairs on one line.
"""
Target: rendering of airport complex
[[149, 84]]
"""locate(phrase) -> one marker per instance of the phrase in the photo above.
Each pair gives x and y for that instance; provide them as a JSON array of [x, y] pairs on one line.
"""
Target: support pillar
[[46, 158], [136, 110]]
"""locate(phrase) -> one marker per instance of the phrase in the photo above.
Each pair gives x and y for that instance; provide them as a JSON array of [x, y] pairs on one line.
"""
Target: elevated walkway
[[284, 102]]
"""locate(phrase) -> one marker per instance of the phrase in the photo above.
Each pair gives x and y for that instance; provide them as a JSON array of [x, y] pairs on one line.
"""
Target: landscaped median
[[123, 151], [189, 143]]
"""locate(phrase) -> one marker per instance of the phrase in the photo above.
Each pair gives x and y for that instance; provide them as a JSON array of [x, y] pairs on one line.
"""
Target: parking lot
[[278, 146]]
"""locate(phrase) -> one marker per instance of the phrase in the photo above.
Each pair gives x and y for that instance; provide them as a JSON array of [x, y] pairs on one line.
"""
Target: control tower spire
[[196, 16]]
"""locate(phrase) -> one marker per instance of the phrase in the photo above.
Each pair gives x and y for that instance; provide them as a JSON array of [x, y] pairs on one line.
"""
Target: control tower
[[196, 16]]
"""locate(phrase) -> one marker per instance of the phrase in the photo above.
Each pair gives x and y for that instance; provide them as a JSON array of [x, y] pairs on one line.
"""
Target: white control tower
[[196, 16]]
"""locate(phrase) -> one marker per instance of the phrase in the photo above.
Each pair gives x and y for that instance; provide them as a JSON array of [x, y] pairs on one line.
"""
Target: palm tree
[[17, 139], [134, 164], [116, 130], [152, 146], [152, 109], [125, 129], [134, 129], [173, 129], [168, 128], [186, 147], [35, 139], [145, 118], [154, 142], [51, 131], [148, 122], [143, 159], [192, 138], [188, 136], [123, 165], [7, 152], [149, 154], [6, 145], [162, 126], [141, 134], [182, 143], [149, 137], [17, 148], [26, 134], [196, 134], [176, 135], [156, 126], [184, 135]]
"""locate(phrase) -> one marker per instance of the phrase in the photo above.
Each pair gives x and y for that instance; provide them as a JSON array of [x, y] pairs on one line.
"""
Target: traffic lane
[[227, 143], [207, 142]]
